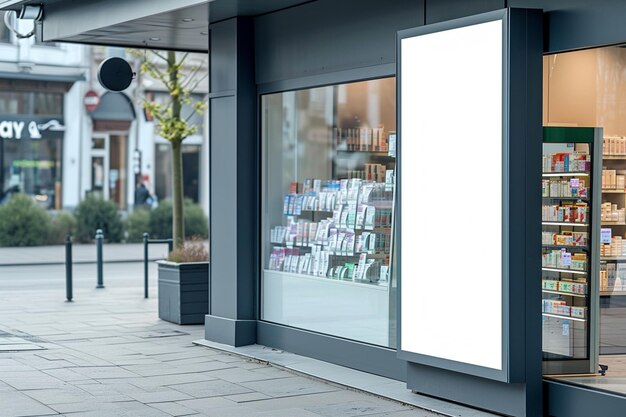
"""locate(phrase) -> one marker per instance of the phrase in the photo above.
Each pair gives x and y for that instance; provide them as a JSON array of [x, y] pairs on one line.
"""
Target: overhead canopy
[[158, 24]]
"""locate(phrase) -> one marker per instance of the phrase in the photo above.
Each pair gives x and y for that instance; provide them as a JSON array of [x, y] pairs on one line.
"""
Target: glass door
[[99, 166], [570, 249]]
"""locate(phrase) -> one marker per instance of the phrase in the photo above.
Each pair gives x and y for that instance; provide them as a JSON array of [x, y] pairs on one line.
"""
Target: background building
[[57, 149]]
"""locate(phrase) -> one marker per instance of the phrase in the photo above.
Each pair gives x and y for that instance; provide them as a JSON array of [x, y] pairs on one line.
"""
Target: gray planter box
[[183, 292]]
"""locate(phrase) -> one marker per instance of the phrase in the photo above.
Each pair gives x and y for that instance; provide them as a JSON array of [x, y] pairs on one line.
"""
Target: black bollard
[[68, 268], [145, 265], [99, 239]]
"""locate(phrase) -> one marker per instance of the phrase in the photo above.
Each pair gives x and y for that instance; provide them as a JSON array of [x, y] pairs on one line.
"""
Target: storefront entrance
[[588, 88], [109, 171]]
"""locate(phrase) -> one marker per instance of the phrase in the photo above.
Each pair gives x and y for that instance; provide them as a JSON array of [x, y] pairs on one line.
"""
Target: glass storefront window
[[586, 89], [33, 166], [34, 103], [328, 192], [5, 33]]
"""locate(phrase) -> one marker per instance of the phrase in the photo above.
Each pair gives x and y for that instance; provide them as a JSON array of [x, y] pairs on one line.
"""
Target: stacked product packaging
[[614, 145], [565, 213], [353, 244], [564, 238], [613, 277], [613, 179], [566, 162], [579, 288], [562, 259], [361, 139], [610, 213], [372, 172], [573, 187], [560, 307]]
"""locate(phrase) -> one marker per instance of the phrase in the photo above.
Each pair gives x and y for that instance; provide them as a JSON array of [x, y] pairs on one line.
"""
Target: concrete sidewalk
[[81, 253], [107, 354]]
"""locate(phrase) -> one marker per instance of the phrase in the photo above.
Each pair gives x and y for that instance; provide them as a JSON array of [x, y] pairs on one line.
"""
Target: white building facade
[[58, 149]]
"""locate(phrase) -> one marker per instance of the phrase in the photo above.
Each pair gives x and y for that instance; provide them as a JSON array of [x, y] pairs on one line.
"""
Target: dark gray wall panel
[[577, 24], [234, 191], [248, 160], [328, 36], [440, 10], [361, 356], [507, 399], [569, 24], [223, 213], [525, 120], [223, 51], [564, 400]]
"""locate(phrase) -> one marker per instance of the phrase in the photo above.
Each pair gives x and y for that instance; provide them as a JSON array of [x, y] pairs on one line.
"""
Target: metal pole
[[68, 268], [145, 265], [99, 239]]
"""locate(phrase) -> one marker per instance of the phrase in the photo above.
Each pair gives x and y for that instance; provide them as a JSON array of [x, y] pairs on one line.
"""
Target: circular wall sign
[[115, 74], [91, 100]]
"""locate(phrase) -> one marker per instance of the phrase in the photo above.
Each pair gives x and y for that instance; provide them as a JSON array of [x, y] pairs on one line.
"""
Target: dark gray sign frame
[[521, 136]]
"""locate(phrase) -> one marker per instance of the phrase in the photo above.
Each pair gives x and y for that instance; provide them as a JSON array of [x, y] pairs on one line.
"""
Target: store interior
[[588, 89]]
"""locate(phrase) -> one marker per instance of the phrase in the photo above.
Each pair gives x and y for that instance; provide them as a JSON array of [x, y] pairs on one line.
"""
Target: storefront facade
[[308, 152]]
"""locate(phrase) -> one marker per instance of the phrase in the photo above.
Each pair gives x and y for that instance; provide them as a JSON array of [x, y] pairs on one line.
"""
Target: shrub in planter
[[62, 224], [193, 251], [183, 284], [23, 223], [196, 223], [137, 223], [94, 213]]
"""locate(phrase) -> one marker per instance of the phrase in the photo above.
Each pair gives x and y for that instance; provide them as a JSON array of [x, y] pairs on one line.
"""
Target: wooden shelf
[[612, 191], [610, 293], [613, 258], [614, 157]]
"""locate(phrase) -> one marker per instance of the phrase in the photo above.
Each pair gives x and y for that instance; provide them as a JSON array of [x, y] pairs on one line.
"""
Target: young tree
[[180, 80]]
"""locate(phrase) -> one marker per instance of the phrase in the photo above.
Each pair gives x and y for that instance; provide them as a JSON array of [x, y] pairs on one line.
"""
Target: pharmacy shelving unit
[[570, 289], [338, 294], [613, 268]]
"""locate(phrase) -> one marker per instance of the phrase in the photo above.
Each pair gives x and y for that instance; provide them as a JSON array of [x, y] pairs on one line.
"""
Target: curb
[[118, 261]]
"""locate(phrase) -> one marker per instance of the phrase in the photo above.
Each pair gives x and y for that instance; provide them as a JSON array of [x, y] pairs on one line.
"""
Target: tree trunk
[[178, 225], [178, 228]]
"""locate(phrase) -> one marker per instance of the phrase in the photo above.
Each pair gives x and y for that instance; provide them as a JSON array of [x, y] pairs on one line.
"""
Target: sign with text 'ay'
[[30, 127]]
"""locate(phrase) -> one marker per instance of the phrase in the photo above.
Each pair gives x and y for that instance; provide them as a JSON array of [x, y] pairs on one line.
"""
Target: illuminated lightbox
[[451, 194]]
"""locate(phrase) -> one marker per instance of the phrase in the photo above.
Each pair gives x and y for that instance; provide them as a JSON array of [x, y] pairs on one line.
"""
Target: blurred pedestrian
[[142, 196]]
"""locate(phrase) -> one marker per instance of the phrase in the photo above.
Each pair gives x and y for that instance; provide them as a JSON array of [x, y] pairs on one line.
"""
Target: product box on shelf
[[550, 284], [578, 312]]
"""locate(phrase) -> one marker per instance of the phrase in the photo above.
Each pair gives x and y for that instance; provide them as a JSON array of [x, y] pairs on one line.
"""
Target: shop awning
[[115, 112], [55, 78], [114, 107]]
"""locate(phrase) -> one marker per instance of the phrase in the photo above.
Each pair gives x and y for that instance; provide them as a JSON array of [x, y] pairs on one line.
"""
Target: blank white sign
[[451, 188]]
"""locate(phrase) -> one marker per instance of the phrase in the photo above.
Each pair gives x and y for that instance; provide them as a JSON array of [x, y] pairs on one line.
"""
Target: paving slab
[[107, 354]]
